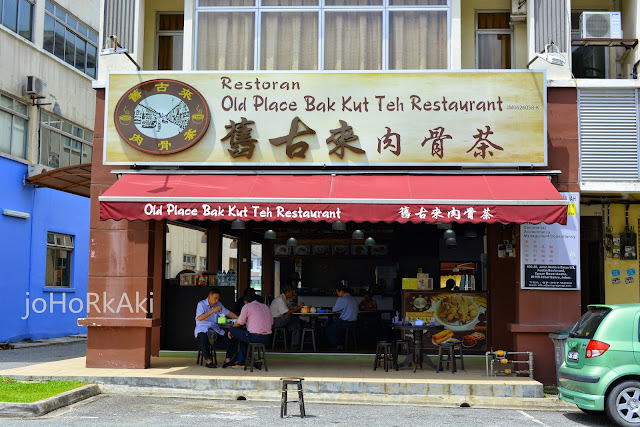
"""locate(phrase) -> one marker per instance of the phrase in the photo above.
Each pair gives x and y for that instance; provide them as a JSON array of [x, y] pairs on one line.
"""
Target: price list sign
[[550, 253]]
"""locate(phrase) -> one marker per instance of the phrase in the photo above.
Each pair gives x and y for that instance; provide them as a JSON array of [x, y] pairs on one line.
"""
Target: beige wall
[[68, 91], [152, 7], [468, 17]]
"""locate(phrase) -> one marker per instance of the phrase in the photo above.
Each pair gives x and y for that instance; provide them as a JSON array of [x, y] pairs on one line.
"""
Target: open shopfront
[[393, 154], [378, 244]]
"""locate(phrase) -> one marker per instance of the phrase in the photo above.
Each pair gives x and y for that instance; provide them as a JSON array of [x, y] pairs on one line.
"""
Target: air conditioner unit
[[34, 87], [37, 169], [600, 25]]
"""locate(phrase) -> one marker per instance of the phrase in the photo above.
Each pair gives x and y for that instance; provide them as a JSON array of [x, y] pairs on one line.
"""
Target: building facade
[[263, 40], [47, 111]]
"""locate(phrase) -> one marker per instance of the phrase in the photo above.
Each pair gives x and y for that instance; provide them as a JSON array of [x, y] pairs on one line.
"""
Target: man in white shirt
[[283, 317]]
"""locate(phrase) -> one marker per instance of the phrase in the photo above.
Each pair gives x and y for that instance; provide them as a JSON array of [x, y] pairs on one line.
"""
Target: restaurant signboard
[[439, 118], [550, 253]]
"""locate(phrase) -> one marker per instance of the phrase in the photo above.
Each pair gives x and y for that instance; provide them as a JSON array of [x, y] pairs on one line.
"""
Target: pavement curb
[[41, 407], [541, 404]]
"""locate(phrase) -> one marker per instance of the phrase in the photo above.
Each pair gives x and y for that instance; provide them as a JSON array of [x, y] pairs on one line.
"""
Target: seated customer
[[207, 313], [258, 319], [282, 317], [347, 306], [368, 304]]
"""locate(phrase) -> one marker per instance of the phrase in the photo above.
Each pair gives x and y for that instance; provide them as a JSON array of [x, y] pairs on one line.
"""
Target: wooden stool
[[284, 401], [212, 350], [284, 337], [258, 355], [446, 354], [403, 346], [313, 338], [350, 332], [384, 352]]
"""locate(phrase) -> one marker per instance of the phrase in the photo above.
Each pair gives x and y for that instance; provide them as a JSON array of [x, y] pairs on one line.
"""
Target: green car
[[601, 371]]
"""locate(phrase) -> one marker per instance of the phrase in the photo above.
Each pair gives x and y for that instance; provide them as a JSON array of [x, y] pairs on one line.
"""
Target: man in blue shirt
[[207, 314], [347, 306]]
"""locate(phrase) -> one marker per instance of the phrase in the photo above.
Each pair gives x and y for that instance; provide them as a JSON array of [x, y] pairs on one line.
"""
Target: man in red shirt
[[258, 319]]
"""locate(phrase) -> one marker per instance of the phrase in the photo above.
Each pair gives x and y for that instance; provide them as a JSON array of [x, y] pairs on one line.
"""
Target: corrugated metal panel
[[119, 19], [608, 121], [551, 22]]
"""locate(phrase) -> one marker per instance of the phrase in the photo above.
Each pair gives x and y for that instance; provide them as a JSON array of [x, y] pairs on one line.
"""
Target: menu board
[[463, 315], [550, 253]]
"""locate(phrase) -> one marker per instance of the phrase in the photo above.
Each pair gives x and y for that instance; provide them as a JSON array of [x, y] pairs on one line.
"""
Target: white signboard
[[550, 254]]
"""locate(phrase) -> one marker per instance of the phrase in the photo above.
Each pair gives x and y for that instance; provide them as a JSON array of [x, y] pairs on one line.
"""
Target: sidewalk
[[329, 378], [49, 341]]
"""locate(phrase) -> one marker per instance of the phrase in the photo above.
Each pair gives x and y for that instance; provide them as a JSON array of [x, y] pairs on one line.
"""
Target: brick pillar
[[124, 258]]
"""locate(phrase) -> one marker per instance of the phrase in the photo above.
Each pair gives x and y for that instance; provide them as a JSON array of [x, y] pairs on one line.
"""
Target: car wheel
[[622, 404]]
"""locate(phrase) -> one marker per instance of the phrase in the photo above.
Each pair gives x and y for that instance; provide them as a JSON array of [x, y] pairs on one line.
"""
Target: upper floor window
[[69, 39], [188, 261], [587, 62], [169, 41], [59, 260], [493, 41], [62, 143], [13, 127], [17, 15], [322, 34]]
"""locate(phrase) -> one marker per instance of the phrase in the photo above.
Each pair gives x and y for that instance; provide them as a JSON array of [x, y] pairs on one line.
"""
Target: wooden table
[[417, 357], [313, 317]]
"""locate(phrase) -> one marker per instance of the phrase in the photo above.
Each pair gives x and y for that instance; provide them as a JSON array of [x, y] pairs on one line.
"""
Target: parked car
[[601, 371]]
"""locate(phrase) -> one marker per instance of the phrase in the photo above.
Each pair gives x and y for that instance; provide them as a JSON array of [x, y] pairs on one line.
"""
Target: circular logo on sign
[[161, 116]]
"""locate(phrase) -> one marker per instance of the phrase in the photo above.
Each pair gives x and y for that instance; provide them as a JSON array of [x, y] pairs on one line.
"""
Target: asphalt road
[[20, 357], [121, 410]]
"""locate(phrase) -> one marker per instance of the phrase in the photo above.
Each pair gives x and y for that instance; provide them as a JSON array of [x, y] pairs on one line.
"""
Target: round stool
[[384, 352]]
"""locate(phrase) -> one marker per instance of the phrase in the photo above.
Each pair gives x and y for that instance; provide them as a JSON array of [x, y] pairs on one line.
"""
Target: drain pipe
[[635, 70]]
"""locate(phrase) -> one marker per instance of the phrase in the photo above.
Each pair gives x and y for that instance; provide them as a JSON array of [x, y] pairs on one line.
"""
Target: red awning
[[359, 198]]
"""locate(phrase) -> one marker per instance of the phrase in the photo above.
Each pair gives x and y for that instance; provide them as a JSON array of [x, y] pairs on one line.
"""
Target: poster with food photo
[[461, 317]]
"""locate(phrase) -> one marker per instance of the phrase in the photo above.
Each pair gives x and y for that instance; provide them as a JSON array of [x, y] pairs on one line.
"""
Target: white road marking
[[533, 419]]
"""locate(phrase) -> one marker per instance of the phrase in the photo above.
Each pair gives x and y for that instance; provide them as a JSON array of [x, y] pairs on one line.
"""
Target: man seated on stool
[[283, 317], [207, 313], [258, 319], [347, 306]]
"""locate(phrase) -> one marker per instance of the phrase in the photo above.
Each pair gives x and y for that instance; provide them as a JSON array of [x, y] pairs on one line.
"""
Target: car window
[[589, 323]]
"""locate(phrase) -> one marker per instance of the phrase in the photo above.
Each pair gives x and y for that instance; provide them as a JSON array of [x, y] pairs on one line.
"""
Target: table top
[[316, 314], [415, 328]]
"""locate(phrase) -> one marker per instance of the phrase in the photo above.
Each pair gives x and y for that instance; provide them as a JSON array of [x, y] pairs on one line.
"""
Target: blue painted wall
[[23, 258]]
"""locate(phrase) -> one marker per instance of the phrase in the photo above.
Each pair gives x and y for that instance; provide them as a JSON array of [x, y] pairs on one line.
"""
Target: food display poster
[[550, 253], [463, 315]]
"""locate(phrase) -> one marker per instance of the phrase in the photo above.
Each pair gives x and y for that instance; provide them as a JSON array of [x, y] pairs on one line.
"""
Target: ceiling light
[[269, 235], [236, 224], [357, 235], [370, 241], [449, 234], [451, 243], [291, 241], [470, 232], [339, 226]]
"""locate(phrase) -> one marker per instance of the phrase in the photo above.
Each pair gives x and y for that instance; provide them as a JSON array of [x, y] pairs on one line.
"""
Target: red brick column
[[124, 259]]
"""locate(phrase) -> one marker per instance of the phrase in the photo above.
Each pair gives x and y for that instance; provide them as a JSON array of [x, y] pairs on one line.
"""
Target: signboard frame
[[375, 83]]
